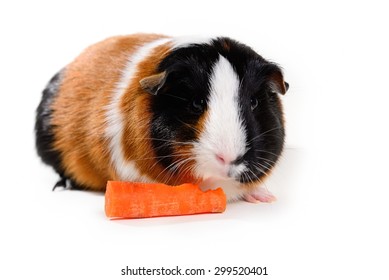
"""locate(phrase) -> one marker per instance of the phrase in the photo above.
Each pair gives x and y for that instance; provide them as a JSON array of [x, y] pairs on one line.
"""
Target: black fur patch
[[44, 136]]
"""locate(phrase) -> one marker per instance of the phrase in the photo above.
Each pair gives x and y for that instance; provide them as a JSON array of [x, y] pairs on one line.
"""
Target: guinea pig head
[[216, 112]]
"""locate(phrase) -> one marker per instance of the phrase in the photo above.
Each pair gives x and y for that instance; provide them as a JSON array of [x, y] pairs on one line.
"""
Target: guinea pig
[[153, 108]]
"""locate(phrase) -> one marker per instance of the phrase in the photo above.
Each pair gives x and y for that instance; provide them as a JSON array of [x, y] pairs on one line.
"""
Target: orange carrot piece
[[141, 200]]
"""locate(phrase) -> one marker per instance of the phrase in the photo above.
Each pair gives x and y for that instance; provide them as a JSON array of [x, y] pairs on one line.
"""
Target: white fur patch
[[224, 133], [185, 41], [114, 132]]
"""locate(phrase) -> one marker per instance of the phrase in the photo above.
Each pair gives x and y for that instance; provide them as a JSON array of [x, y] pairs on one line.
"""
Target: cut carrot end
[[143, 200]]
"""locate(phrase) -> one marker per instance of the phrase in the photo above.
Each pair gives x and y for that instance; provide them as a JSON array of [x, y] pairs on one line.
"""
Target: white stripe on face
[[224, 137]]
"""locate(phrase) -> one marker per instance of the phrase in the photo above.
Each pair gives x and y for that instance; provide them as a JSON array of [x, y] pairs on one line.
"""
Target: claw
[[61, 183]]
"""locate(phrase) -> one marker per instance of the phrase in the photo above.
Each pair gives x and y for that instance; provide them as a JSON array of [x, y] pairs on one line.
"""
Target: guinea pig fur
[[153, 108]]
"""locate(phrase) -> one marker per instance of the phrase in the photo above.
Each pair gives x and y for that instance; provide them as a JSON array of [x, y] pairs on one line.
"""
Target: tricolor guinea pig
[[153, 108]]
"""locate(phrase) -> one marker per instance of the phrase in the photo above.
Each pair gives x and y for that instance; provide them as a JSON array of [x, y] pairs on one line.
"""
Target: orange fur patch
[[136, 105], [79, 110]]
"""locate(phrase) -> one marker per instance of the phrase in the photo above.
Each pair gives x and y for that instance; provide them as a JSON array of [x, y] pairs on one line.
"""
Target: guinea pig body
[[153, 108]]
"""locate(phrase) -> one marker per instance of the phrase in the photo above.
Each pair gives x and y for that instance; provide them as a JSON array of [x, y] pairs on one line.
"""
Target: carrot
[[141, 200]]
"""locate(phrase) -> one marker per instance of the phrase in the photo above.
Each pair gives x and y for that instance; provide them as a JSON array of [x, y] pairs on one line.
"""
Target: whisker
[[268, 161], [178, 97], [257, 168], [263, 133], [264, 151], [248, 179], [185, 170], [267, 166], [259, 179], [161, 157], [279, 156], [163, 140], [188, 125], [171, 168], [262, 168]]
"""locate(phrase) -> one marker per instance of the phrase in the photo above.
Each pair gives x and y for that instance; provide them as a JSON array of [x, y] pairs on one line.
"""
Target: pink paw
[[260, 195]]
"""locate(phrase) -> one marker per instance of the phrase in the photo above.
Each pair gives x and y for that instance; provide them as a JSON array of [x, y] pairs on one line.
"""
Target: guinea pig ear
[[153, 83], [277, 83]]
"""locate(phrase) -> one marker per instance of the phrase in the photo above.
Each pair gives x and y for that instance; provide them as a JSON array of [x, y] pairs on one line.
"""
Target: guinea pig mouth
[[252, 174], [225, 172], [236, 171]]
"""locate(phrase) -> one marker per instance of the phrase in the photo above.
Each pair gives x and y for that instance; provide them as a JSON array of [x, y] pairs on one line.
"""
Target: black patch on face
[[182, 100], [44, 134], [264, 124]]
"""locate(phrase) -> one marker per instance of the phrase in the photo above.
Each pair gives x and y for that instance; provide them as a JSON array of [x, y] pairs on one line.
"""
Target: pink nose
[[221, 158], [226, 160]]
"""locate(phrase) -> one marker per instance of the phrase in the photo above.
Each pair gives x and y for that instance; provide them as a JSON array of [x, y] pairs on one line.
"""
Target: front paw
[[260, 195]]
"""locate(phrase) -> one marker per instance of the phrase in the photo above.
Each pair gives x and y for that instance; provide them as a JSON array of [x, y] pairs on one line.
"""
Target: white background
[[331, 218]]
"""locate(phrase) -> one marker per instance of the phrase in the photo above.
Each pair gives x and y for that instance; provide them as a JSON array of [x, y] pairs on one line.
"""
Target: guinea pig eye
[[254, 103], [198, 105]]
